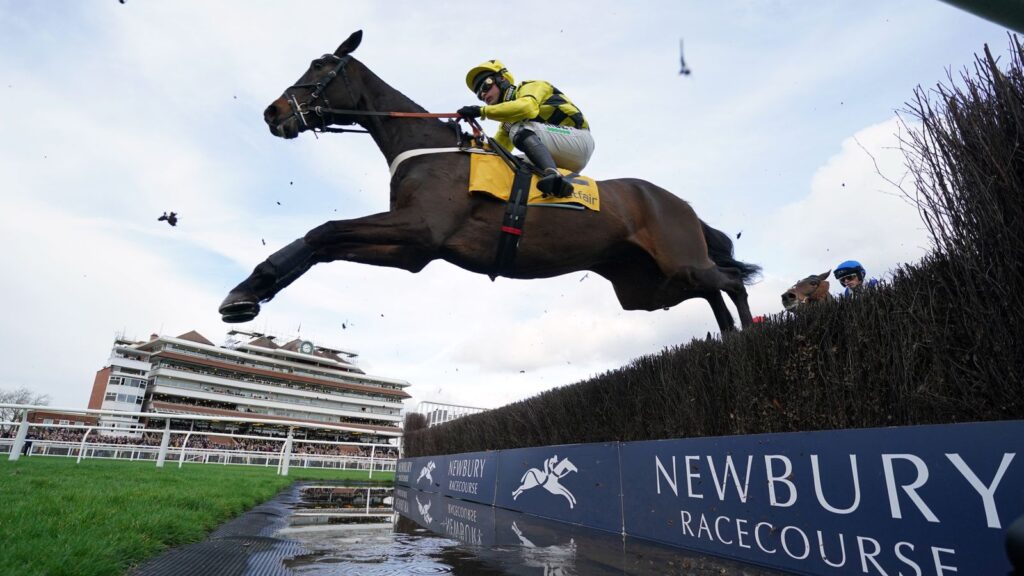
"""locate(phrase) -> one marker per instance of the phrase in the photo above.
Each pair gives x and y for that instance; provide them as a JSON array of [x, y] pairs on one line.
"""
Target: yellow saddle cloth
[[489, 174]]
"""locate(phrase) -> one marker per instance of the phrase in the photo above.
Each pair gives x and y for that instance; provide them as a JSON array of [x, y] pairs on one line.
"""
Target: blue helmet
[[850, 267]]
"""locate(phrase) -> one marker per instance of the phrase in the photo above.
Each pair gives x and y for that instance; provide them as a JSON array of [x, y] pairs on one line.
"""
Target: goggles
[[485, 85], [845, 279]]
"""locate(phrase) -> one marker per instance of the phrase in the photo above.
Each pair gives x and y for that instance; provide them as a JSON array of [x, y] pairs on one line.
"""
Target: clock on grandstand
[[306, 347]]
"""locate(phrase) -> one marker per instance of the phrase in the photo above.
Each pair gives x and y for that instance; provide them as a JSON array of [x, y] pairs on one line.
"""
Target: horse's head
[[304, 105], [814, 288]]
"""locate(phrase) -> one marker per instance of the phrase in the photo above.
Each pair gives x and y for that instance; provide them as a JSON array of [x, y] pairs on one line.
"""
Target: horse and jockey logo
[[425, 472], [424, 510], [556, 560], [548, 478]]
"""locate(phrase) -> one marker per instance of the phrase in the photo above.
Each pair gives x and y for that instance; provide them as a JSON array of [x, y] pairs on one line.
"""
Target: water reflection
[[433, 534]]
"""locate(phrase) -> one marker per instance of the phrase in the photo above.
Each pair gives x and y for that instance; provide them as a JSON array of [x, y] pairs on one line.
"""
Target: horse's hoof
[[238, 318], [237, 311]]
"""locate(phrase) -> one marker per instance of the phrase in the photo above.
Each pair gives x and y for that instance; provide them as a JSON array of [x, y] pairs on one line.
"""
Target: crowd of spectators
[[360, 451], [300, 447]]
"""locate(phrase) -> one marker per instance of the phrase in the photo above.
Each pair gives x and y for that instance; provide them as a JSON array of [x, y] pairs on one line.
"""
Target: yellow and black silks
[[533, 100], [488, 174]]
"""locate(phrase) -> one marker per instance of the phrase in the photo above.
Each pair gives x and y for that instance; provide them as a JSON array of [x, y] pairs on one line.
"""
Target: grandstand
[[253, 375]]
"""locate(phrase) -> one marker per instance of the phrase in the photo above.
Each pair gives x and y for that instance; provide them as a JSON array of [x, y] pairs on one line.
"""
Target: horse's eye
[[814, 282]]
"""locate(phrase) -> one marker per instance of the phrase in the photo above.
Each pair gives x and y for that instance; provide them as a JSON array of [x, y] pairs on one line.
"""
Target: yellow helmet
[[477, 74]]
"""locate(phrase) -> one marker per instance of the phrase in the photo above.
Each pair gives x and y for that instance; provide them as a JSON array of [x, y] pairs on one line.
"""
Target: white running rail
[[282, 459]]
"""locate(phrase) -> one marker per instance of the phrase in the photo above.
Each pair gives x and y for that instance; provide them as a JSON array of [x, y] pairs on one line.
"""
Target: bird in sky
[[171, 218], [683, 69]]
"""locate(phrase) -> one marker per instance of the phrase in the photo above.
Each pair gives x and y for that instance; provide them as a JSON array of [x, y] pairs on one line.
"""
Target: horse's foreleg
[[408, 258], [267, 279], [405, 228], [563, 491], [396, 239]]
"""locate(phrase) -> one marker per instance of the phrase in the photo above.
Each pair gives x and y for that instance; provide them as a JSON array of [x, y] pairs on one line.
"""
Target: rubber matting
[[242, 546]]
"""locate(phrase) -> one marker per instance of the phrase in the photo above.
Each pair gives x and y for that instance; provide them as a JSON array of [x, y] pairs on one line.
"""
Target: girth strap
[[512, 223], [421, 151]]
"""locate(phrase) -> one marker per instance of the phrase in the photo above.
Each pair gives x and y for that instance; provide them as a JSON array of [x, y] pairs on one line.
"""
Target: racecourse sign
[[908, 501]]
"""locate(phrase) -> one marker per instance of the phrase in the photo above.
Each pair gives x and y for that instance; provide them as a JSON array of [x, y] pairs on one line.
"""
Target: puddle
[[378, 531]]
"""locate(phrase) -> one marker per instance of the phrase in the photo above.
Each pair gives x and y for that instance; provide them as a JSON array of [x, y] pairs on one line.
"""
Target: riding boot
[[270, 277], [552, 183]]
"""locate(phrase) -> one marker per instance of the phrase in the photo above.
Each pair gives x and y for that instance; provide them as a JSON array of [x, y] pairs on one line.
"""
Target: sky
[[785, 136]]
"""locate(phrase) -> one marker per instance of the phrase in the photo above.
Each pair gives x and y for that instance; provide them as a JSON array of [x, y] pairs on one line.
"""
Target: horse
[[647, 242], [812, 289]]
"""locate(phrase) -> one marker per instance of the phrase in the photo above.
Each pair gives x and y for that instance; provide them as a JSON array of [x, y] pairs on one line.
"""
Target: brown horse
[[814, 288], [650, 244]]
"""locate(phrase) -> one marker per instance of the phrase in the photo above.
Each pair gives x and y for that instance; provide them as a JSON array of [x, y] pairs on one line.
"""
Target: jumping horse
[[647, 242], [812, 289]]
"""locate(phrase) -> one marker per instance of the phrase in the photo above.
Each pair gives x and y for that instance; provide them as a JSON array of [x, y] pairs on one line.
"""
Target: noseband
[[300, 110]]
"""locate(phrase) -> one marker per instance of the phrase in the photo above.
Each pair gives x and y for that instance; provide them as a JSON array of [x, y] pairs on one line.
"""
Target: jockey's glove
[[469, 112]]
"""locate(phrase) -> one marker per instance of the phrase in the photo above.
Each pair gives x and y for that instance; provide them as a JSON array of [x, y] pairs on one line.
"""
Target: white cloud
[[852, 210]]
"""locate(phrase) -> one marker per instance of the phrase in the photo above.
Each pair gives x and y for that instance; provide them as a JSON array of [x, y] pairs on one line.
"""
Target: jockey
[[851, 276], [537, 118]]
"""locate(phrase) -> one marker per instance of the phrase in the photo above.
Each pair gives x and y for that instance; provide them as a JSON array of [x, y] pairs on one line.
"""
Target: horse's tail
[[720, 251]]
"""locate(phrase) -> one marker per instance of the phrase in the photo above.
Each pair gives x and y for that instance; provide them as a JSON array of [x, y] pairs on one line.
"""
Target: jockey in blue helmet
[[851, 276]]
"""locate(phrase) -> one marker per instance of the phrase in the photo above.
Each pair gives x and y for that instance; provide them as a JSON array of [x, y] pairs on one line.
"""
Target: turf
[[103, 517]]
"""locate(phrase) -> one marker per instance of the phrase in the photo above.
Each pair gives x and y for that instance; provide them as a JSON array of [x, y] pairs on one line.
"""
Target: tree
[[18, 396]]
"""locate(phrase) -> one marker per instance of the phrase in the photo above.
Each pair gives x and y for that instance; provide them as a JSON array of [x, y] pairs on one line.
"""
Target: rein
[[301, 110], [320, 111]]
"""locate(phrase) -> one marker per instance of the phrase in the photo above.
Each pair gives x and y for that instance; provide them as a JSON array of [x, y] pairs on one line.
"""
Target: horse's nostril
[[270, 113]]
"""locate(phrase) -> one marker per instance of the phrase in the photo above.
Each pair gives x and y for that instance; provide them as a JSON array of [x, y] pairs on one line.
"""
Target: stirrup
[[552, 183]]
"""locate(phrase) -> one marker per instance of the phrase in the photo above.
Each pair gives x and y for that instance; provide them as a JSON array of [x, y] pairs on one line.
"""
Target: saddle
[[489, 174]]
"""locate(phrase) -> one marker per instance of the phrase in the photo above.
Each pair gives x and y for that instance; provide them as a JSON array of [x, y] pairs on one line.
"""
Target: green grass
[[103, 517]]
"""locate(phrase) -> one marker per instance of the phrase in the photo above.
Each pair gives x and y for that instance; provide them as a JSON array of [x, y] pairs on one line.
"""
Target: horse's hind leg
[[720, 279], [739, 299], [737, 292], [722, 315]]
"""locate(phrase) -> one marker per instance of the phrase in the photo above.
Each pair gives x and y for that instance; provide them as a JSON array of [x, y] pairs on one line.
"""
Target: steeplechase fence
[[924, 500], [282, 459]]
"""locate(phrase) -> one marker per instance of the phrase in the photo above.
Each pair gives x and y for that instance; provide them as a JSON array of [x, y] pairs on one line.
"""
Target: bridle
[[817, 295], [301, 110]]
